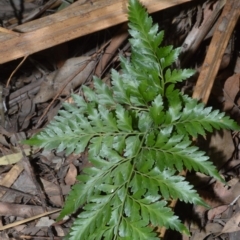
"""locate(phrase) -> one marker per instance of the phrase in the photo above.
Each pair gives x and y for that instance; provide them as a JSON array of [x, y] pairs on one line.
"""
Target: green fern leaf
[[124, 119], [137, 131], [120, 94], [89, 94], [178, 75], [171, 186], [105, 95], [196, 119], [150, 210], [109, 122], [132, 146], [84, 227], [156, 111], [170, 58], [136, 230], [144, 121]]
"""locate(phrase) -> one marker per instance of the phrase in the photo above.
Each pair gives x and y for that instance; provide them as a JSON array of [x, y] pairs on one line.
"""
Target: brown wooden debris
[[200, 29], [221, 36], [81, 18]]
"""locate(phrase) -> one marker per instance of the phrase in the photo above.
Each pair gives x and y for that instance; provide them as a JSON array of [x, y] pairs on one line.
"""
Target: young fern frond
[[137, 132]]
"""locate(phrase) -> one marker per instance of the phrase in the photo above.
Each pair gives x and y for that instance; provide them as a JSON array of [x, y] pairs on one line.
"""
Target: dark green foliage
[[138, 133]]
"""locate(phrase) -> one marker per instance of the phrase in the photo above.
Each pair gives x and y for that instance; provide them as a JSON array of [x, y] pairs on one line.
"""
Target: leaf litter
[[38, 82]]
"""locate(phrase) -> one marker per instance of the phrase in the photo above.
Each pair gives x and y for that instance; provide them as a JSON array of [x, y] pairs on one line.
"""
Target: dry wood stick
[[70, 24], [226, 24]]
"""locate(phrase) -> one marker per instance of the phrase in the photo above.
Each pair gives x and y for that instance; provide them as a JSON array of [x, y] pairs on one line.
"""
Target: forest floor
[[35, 182]]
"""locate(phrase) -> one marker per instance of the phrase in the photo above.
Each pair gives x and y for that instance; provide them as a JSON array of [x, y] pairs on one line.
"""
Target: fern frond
[[196, 119], [178, 75], [137, 131], [89, 185], [145, 36], [170, 185], [176, 152]]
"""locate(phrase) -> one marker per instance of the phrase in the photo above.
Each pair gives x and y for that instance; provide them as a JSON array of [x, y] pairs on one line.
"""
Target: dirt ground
[[35, 182]]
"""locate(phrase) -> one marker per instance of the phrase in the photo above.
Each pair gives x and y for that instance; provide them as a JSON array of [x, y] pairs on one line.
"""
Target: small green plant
[[138, 134]]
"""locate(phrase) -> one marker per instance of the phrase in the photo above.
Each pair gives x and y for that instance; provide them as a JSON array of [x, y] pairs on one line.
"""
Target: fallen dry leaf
[[14, 157], [114, 45], [216, 211], [236, 192], [231, 89], [59, 230], [74, 72], [222, 142], [71, 175], [210, 228], [232, 225], [53, 192], [225, 193], [219, 147], [44, 222]]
